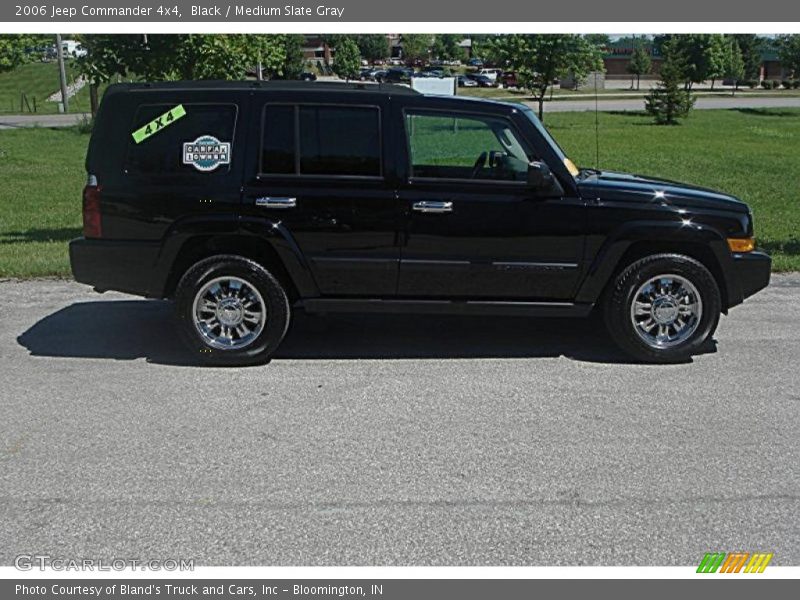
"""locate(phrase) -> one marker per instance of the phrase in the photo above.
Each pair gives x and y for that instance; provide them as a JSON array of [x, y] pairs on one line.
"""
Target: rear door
[[321, 175]]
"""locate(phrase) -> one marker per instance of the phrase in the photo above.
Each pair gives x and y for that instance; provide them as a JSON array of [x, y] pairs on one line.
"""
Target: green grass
[[38, 80], [41, 178], [751, 153]]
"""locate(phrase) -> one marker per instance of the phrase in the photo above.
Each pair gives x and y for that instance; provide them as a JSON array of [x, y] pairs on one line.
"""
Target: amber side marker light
[[742, 244]]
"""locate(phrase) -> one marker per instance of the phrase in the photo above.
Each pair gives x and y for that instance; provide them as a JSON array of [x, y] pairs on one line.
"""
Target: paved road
[[393, 440], [15, 121]]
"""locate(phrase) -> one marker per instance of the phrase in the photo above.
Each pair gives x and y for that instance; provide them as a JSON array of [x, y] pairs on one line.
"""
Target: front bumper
[[114, 265], [751, 272]]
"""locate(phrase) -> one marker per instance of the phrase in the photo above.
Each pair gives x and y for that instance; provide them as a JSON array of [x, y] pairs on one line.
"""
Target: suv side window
[[321, 140], [447, 146], [163, 152]]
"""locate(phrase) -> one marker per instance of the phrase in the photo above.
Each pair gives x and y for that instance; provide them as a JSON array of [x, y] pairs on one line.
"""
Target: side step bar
[[445, 307]]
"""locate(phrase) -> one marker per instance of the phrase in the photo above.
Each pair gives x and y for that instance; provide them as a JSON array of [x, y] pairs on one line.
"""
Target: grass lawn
[[752, 153], [38, 80]]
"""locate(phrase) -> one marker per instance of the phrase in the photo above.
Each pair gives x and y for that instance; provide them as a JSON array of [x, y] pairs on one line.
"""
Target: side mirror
[[541, 179]]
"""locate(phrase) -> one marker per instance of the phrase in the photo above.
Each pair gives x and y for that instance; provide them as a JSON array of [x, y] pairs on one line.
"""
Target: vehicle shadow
[[132, 329]]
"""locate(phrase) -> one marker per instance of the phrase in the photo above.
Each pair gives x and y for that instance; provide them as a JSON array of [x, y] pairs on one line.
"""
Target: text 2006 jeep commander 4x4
[[243, 200]]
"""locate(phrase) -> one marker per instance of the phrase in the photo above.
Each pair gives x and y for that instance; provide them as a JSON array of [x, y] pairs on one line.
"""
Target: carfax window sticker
[[206, 153], [159, 123]]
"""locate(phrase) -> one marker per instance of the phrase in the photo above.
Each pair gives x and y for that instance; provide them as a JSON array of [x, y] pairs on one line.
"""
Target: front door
[[474, 229]]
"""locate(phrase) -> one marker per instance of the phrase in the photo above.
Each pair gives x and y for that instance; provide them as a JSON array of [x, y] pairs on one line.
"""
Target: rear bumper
[[114, 265], [751, 273]]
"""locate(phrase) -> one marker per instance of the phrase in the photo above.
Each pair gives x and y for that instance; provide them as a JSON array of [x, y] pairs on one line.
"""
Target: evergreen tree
[[667, 102]]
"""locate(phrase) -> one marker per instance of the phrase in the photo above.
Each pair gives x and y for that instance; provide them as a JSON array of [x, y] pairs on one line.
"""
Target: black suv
[[245, 200]]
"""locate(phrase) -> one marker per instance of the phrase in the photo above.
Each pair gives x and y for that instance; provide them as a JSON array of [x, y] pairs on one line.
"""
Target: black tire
[[620, 297], [275, 324]]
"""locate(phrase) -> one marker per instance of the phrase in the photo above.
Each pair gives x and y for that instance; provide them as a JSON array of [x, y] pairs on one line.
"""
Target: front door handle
[[276, 202], [432, 206]]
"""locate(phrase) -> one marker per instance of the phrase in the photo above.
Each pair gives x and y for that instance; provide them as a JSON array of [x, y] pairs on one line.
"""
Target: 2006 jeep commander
[[243, 200]]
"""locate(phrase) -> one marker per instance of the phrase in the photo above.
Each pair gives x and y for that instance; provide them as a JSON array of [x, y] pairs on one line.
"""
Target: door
[[321, 178], [474, 229]]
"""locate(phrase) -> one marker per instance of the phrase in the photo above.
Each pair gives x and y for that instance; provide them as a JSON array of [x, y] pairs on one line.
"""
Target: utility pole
[[62, 72]]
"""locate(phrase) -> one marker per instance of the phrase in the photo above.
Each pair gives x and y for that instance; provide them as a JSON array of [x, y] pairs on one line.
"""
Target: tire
[[663, 308], [247, 297]]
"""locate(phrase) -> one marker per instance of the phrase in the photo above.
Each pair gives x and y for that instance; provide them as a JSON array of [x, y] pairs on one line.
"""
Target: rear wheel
[[663, 308], [232, 311]]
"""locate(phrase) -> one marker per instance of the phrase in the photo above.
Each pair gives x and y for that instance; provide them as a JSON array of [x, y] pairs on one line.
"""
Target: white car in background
[[492, 74]]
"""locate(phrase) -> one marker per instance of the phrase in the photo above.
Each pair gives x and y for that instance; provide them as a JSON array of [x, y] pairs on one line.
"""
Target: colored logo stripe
[[711, 562], [159, 123], [734, 561], [758, 563]]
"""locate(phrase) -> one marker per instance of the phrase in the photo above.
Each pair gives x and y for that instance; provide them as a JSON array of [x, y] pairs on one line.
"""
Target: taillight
[[92, 227]]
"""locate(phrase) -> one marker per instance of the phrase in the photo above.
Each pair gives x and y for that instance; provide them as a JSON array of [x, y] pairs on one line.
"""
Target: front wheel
[[232, 311], [663, 308]]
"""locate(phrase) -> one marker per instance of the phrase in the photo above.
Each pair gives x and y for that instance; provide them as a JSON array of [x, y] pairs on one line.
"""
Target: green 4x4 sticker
[[159, 123]]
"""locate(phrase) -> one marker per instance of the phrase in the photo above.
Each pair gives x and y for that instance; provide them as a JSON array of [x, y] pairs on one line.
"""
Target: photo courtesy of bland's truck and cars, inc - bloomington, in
[[400, 299]]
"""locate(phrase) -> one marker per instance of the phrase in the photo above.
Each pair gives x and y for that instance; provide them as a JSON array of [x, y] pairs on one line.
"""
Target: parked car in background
[[509, 79], [492, 74], [483, 81], [475, 62], [464, 81], [307, 76]]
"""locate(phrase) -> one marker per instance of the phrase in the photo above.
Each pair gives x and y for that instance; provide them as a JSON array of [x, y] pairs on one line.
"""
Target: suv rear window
[[163, 152], [321, 140]]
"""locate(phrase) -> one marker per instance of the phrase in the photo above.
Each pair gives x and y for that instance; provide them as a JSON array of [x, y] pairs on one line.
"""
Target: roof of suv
[[277, 85]]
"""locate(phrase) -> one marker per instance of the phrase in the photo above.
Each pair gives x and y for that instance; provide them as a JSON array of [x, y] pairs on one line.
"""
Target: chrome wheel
[[229, 313], [666, 311]]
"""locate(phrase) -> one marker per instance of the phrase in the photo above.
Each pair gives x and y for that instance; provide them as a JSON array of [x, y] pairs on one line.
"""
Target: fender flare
[[244, 229], [606, 261]]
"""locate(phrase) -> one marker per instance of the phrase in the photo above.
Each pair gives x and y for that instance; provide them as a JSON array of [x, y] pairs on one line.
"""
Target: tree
[[445, 46], [415, 45], [347, 62], [734, 64], [539, 59], [641, 63], [599, 40], [667, 102], [373, 46], [788, 47], [15, 49], [750, 46], [716, 57]]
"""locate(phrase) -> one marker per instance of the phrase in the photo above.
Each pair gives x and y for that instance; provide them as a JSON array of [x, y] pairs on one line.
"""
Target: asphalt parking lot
[[393, 440]]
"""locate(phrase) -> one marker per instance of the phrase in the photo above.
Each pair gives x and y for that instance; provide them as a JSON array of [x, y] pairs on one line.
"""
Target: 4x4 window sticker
[[297, 174], [160, 122]]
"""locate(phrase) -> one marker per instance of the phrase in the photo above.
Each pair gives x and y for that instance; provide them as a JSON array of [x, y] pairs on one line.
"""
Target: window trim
[[381, 176], [125, 164], [411, 179]]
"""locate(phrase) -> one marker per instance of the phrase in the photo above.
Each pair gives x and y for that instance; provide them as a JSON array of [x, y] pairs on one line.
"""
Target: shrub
[[766, 85], [776, 84], [787, 84]]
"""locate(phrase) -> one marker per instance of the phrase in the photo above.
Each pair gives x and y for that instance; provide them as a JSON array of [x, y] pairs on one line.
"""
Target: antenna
[[596, 126]]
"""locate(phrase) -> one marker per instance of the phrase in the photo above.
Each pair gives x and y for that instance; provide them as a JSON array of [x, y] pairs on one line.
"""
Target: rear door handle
[[432, 206], [276, 202]]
